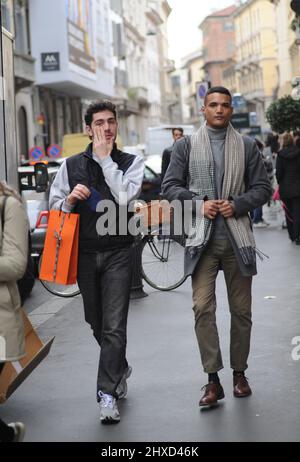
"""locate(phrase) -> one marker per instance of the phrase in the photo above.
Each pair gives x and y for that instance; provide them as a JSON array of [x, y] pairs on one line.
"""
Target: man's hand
[[101, 146], [226, 209], [211, 209], [79, 193]]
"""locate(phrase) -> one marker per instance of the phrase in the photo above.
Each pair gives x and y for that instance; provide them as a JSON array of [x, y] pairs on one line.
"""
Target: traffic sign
[[240, 120], [36, 153], [54, 150], [201, 89]]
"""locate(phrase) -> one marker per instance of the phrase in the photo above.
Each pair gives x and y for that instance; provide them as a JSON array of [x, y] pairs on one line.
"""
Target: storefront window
[[7, 14]]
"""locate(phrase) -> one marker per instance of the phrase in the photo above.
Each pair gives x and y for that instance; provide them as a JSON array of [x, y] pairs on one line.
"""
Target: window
[[23, 134], [149, 174], [228, 26], [6, 19], [116, 5], [21, 35]]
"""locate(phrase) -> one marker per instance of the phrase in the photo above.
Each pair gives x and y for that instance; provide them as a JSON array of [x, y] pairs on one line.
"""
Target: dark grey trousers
[[220, 253], [104, 279]]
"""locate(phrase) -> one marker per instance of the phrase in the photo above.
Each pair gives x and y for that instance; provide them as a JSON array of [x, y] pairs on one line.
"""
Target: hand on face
[[103, 132], [102, 144]]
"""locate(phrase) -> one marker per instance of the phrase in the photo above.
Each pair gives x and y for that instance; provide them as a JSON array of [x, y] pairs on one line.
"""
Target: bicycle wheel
[[162, 262], [60, 290]]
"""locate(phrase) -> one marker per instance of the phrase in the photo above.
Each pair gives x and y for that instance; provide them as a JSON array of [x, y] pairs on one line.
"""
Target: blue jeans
[[257, 215]]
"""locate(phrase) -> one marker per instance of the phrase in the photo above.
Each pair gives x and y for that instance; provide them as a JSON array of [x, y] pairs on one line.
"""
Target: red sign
[[54, 150], [37, 153]]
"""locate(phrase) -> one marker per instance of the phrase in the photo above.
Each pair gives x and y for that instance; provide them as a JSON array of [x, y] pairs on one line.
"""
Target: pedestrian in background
[[13, 261], [288, 178], [104, 275], [257, 214], [271, 148], [177, 133], [296, 136], [222, 173]]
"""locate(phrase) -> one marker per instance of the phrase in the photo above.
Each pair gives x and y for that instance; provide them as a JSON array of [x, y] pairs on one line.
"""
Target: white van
[[160, 137]]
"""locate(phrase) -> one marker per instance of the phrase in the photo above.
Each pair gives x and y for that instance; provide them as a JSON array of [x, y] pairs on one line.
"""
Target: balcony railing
[[24, 69], [139, 94]]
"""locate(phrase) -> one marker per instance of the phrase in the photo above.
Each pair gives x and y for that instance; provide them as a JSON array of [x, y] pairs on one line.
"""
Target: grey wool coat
[[257, 191], [13, 261]]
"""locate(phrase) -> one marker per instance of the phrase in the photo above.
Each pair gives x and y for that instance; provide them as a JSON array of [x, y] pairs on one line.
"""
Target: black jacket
[[257, 190], [166, 157], [84, 170], [288, 172]]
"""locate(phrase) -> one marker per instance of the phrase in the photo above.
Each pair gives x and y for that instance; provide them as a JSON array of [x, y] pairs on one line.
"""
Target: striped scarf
[[202, 183]]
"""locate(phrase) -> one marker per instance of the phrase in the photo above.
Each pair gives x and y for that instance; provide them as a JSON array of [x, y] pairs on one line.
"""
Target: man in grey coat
[[222, 174]]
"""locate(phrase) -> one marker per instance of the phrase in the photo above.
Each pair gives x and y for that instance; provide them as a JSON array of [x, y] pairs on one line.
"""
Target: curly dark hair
[[98, 106]]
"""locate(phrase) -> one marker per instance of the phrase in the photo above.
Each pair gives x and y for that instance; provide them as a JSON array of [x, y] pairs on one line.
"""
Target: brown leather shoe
[[213, 392], [241, 387]]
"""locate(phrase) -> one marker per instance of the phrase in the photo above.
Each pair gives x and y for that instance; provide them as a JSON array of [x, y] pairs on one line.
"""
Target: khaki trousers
[[220, 252]]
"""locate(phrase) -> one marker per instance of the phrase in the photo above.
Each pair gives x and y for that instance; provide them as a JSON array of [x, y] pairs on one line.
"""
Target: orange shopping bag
[[59, 262]]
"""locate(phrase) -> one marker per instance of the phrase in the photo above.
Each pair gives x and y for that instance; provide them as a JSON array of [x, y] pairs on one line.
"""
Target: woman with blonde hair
[[288, 178], [13, 261]]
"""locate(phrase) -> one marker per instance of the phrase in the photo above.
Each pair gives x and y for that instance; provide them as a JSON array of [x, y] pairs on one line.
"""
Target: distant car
[[151, 185], [154, 162], [37, 203]]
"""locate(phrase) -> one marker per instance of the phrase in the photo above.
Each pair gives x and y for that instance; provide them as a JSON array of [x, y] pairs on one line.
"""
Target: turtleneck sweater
[[217, 138]]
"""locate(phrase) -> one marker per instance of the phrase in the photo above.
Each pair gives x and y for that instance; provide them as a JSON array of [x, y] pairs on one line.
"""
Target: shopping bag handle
[[58, 238]]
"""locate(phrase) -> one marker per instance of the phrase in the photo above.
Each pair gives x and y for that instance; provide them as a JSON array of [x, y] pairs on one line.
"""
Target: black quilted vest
[[84, 170]]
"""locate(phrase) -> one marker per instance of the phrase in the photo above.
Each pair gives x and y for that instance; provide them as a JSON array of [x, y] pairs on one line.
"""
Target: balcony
[[255, 95], [153, 14], [139, 94], [126, 107], [250, 61], [24, 70]]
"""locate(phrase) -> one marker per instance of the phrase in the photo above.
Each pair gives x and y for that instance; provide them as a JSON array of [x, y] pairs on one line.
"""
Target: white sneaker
[[122, 388], [19, 429], [260, 224], [109, 412]]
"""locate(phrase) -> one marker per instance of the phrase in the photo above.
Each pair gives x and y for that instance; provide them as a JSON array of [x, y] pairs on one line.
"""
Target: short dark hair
[[180, 129], [222, 90], [99, 106]]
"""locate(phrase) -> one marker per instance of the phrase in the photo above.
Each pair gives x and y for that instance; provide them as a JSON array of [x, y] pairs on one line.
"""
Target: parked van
[[160, 137]]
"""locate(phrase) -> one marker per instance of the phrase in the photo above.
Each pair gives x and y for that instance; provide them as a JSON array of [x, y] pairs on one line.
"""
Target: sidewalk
[[57, 402]]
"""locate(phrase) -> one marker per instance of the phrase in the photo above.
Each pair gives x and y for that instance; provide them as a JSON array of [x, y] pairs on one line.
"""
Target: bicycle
[[162, 255], [60, 290], [162, 267], [162, 258]]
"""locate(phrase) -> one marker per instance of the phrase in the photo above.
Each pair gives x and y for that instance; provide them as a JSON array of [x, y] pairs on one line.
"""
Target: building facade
[[149, 88], [256, 56], [193, 65], [288, 46], [15, 20], [71, 43], [218, 44], [135, 38], [70, 52]]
